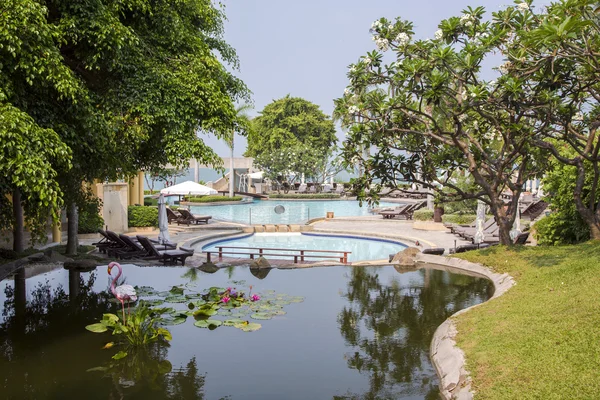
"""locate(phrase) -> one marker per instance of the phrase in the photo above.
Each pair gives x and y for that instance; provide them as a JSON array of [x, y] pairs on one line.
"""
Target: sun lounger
[[165, 255], [173, 216], [390, 214], [301, 188], [339, 189], [189, 218], [131, 249]]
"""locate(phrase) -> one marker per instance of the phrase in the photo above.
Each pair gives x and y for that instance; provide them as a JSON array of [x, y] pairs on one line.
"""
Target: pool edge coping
[[448, 359]]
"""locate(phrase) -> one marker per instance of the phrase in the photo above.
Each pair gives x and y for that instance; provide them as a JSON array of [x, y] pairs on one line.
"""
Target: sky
[[303, 48]]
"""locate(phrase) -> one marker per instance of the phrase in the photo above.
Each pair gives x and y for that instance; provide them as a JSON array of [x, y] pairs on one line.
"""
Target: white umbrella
[[516, 228], [256, 175], [163, 221], [188, 188], [479, 235]]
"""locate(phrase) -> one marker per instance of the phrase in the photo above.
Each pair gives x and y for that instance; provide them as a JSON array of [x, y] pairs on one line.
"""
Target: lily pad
[[225, 313], [145, 291], [175, 290], [172, 321], [208, 323], [248, 326], [233, 321], [177, 314], [193, 296], [296, 299], [238, 314], [261, 315], [164, 294], [277, 312], [175, 299], [154, 302]]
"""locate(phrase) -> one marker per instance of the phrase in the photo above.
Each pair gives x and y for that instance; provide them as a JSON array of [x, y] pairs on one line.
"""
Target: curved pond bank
[[448, 359]]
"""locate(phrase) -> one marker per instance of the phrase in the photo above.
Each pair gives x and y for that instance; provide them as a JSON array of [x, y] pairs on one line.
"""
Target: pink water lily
[[225, 299], [255, 297]]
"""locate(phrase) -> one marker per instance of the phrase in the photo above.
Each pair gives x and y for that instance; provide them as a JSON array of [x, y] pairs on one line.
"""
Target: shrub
[[563, 227], [305, 196], [142, 216], [213, 199], [459, 219], [423, 215], [90, 219], [150, 201]]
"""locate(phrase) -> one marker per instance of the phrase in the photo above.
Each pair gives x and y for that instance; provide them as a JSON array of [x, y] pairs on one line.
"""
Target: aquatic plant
[[141, 328]]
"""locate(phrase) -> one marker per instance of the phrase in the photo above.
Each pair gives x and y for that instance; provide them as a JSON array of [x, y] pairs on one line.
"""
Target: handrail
[[343, 255]]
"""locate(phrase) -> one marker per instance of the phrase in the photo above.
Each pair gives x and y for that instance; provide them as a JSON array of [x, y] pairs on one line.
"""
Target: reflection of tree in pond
[[146, 373], [391, 326]]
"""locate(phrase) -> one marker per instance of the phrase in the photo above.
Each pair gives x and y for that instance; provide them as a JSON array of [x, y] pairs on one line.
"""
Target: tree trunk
[[72, 224], [231, 171], [504, 221], [18, 238], [591, 218]]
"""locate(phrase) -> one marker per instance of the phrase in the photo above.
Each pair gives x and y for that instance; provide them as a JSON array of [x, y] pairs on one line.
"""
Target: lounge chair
[[520, 239], [312, 189], [390, 214], [472, 230], [189, 218], [165, 256], [301, 188], [339, 189], [104, 243], [172, 216], [130, 250], [326, 188], [534, 210]]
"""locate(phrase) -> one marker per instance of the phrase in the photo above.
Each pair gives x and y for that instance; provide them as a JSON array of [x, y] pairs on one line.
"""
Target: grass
[[540, 340]]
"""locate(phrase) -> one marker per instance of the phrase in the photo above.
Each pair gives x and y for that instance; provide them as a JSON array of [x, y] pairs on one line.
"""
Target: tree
[[429, 116], [554, 56], [287, 123], [161, 174], [244, 124], [123, 86]]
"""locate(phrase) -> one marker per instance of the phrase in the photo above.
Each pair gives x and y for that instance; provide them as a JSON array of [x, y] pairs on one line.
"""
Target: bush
[[423, 215], [563, 227], [305, 196], [90, 219], [142, 216], [459, 219], [213, 199], [150, 201]]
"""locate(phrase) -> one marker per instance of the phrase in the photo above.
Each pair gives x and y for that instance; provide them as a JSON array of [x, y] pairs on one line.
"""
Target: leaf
[[97, 328], [120, 355], [261, 315], [175, 299], [110, 317], [248, 326], [176, 290], [108, 345], [232, 322], [208, 323], [165, 333]]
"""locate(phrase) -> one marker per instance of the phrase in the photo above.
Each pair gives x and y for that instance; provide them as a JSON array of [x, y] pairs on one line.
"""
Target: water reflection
[[389, 327], [57, 320]]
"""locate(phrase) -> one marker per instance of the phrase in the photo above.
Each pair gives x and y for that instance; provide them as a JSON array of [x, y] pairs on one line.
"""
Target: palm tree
[[243, 120]]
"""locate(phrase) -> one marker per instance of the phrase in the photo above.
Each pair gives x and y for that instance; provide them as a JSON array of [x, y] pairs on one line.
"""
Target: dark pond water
[[361, 333]]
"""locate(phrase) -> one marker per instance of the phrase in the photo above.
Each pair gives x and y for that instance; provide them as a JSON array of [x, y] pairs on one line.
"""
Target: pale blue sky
[[304, 47]]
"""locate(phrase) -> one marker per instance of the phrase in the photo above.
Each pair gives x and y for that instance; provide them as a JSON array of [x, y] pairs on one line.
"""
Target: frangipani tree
[[554, 55], [434, 116]]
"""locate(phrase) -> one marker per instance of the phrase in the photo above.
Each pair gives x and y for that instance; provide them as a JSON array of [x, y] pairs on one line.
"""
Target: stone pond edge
[[448, 359]]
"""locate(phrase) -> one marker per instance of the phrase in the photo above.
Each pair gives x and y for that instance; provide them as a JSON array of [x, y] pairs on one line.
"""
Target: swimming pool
[[362, 248], [263, 212]]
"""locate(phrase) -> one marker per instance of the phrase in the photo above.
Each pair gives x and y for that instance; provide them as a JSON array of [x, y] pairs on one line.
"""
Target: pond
[[294, 212], [358, 333]]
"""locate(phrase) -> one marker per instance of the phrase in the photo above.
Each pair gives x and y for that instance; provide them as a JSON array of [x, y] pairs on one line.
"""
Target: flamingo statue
[[122, 292]]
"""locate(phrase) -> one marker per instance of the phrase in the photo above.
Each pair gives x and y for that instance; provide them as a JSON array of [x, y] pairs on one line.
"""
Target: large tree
[[290, 122], [429, 116], [553, 54], [146, 77]]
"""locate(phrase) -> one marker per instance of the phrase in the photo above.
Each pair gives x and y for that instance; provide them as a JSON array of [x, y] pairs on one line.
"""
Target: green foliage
[[90, 219], [304, 196], [423, 215], [139, 329], [459, 219], [288, 123], [213, 199], [150, 202], [140, 216]]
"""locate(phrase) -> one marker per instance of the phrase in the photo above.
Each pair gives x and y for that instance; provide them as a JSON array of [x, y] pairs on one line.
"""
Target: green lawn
[[540, 340]]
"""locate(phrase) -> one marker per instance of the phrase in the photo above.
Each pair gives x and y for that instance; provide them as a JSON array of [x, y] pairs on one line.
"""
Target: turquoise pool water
[[263, 212], [362, 249]]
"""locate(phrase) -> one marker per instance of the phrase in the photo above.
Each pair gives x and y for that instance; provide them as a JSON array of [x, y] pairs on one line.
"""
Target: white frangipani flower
[[439, 34], [403, 38], [367, 60], [353, 68], [353, 110], [505, 67], [376, 25], [523, 6], [382, 44], [346, 92], [578, 116], [462, 117]]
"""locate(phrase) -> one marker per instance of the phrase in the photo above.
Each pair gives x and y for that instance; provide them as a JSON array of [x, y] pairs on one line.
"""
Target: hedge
[[460, 219], [212, 199], [305, 196], [423, 215], [139, 216]]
